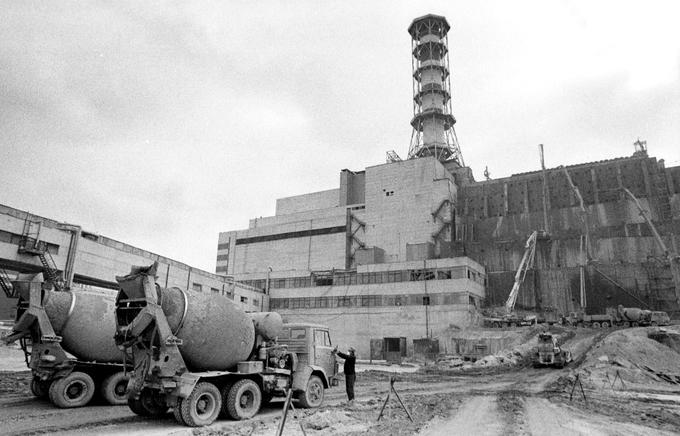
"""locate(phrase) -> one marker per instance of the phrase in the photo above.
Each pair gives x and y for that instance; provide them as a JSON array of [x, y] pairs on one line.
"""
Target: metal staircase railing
[[51, 270], [6, 284]]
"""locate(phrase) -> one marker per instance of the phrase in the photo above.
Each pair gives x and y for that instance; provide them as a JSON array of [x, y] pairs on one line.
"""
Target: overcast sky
[[160, 124]]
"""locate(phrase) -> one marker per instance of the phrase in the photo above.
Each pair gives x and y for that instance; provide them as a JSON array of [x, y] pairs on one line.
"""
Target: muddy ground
[[507, 400]]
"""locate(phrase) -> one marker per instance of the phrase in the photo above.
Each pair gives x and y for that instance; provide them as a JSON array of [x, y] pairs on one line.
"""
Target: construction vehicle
[[549, 353], [51, 323], [510, 318], [659, 318], [581, 319], [634, 316], [201, 354]]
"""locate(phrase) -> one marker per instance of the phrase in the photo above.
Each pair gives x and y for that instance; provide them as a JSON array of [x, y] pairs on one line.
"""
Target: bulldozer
[[549, 353]]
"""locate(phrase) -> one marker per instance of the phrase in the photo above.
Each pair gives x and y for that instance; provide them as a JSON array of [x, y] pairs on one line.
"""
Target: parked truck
[[619, 316], [580, 319], [550, 353], [67, 338], [201, 355], [634, 316]]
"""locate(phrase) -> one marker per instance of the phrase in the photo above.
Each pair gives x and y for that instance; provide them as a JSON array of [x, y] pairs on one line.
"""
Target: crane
[[526, 263], [672, 257]]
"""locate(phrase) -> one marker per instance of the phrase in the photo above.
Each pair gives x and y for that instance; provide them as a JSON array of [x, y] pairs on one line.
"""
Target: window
[[214, 290], [298, 333], [244, 300], [426, 300], [322, 338], [344, 301], [197, 287], [444, 275], [256, 302], [398, 300]]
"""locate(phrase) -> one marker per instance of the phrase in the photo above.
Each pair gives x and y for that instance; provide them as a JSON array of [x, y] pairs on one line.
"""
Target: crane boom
[[672, 257], [526, 263]]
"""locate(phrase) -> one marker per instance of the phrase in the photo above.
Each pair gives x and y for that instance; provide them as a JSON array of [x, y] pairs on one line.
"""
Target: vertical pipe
[[545, 192]]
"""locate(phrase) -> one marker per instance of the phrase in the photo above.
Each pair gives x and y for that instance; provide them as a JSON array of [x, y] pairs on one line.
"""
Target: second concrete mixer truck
[[67, 337], [201, 355]]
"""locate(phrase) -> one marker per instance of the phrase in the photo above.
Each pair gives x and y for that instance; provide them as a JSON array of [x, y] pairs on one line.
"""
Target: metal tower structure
[[433, 132]]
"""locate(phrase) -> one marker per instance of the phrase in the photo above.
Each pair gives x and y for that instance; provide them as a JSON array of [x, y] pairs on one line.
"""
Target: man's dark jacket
[[350, 360]]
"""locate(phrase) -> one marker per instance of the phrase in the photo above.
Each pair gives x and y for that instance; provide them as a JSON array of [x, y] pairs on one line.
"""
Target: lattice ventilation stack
[[433, 132]]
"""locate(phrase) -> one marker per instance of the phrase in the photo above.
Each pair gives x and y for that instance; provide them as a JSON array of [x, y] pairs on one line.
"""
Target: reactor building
[[414, 249]]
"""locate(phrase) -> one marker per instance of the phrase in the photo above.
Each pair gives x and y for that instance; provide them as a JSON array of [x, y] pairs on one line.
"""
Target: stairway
[[31, 244], [50, 269], [6, 284]]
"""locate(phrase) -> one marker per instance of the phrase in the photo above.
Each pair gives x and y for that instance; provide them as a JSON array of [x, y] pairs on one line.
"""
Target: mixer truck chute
[[67, 339], [201, 355]]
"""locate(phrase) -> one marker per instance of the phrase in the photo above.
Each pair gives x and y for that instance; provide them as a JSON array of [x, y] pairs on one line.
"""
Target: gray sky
[[161, 124]]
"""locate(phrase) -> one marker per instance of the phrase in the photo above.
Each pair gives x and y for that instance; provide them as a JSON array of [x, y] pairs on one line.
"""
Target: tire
[[596, 325], [224, 392], [605, 325], [74, 390], [148, 404], [202, 406], [654, 324], [113, 388], [634, 324], [40, 388], [312, 397], [244, 399], [177, 411], [496, 325]]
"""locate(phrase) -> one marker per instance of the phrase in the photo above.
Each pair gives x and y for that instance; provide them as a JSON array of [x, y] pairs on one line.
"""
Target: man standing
[[350, 374]]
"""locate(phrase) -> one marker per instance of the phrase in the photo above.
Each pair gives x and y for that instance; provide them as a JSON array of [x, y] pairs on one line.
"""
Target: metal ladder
[[31, 244], [6, 285]]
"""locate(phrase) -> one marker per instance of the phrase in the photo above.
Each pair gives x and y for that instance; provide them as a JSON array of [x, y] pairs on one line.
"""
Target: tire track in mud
[[511, 407]]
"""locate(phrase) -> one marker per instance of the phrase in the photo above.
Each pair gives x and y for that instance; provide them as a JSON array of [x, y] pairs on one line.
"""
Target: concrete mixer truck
[[201, 355], [51, 323]]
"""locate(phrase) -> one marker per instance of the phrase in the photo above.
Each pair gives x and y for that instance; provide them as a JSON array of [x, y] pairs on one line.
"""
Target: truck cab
[[312, 345]]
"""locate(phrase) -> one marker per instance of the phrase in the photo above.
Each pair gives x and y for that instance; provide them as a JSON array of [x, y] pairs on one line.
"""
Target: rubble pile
[[637, 358], [519, 350]]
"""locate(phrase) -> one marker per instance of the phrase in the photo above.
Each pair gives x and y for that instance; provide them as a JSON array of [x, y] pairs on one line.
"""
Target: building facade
[[88, 260]]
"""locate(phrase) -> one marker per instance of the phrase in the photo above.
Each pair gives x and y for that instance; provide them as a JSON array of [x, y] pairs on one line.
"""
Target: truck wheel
[[177, 411], [224, 392], [40, 388], [635, 324], [114, 388], [74, 390], [596, 325], [605, 325], [148, 404], [202, 406], [496, 325], [244, 399], [313, 395]]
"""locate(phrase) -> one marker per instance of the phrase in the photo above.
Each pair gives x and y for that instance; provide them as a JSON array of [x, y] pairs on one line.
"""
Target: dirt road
[[496, 400], [507, 403]]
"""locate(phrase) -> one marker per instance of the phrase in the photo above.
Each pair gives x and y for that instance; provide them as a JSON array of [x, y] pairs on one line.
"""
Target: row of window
[[371, 301], [354, 278]]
